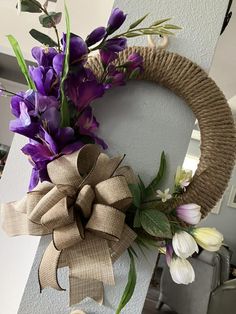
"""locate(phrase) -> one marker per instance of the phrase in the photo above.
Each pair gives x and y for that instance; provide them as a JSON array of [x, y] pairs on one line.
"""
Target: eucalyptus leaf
[[50, 19], [130, 286], [21, 61], [153, 186], [158, 22], [42, 38], [155, 223], [31, 6], [139, 21], [136, 193], [65, 116]]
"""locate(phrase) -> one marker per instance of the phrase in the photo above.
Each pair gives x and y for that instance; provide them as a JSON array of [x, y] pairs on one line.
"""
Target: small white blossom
[[183, 178], [164, 196]]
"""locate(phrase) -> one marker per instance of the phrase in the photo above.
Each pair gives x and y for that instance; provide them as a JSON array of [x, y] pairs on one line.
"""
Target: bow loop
[[84, 209]]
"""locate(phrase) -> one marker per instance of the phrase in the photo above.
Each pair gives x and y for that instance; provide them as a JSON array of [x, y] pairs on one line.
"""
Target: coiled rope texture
[[218, 136]]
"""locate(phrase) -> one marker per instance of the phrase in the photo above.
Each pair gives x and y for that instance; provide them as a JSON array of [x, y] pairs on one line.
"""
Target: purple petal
[[44, 56], [34, 179], [51, 118], [37, 75], [88, 91], [116, 19], [58, 62], [69, 149], [78, 49], [107, 56], [115, 44], [87, 121], [95, 36]]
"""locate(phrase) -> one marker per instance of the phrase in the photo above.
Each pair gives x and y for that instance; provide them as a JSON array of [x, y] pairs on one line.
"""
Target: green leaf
[[153, 186], [155, 223], [139, 21], [137, 222], [42, 38], [164, 31], [31, 6], [142, 187], [136, 193], [21, 61], [131, 283], [65, 116], [158, 22], [51, 19], [130, 35], [146, 242], [171, 26]]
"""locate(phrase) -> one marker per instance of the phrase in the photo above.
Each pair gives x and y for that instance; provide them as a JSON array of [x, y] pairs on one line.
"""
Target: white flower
[[183, 177], [181, 271], [208, 238], [190, 213], [184, 244], [164, 196]]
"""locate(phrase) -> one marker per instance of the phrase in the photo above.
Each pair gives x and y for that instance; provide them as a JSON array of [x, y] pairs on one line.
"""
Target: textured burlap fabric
[[84, 209]]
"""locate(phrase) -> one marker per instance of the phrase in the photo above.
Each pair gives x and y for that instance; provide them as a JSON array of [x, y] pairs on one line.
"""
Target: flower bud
[[189, 213], [181, 271], [184, 244], [209, 239]]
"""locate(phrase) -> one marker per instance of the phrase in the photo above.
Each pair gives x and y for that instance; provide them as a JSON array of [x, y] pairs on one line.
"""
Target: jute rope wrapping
[[83, 207], [218, 140]]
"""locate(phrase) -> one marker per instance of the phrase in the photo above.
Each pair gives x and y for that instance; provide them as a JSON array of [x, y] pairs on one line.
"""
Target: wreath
[[94, 207]]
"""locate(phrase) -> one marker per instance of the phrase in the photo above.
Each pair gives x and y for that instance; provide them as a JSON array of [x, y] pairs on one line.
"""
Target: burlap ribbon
[[83, 207]]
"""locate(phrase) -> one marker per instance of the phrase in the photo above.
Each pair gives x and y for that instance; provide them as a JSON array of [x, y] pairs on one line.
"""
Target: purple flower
[[84, 93], [135, 61], [58, 63], [116, 19], [115, 44], [107, 56], [95, 36], [44, 56], [45, 80], [46, 149], [78, 49], [27, 97], [169, 253], [24, 124], [88, 124]]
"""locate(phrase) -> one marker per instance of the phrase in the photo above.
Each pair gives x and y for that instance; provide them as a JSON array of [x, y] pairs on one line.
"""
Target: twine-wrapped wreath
[[202, 95]]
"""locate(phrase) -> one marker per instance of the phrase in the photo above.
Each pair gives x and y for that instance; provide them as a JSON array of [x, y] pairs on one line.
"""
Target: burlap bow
[[84, 209]]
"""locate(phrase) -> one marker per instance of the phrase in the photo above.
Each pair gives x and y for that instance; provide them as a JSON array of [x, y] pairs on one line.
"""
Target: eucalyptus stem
[[44, 9]]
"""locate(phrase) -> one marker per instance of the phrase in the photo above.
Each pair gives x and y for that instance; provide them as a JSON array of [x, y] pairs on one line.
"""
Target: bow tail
[[47, 272], [83, 288]]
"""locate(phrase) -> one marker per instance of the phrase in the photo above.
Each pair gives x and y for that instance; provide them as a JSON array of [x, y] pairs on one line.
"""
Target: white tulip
[[190, 213], [181, 271], [209, 239], [184, 244]]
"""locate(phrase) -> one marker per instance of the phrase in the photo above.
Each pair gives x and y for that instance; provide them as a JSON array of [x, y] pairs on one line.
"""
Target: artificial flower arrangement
[[91, 205]]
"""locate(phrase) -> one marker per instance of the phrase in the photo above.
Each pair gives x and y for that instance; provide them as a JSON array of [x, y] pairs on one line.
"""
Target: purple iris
[[95, 36], [115, 21]]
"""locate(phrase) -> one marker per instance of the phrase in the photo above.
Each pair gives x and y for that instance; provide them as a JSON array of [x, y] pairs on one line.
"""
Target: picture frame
[[232, 197]]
